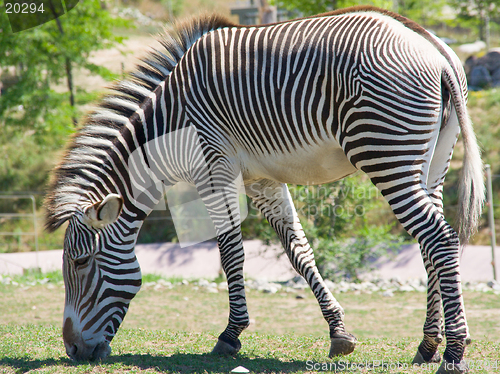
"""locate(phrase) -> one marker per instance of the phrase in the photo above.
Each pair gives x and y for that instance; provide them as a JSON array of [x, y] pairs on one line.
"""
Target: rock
[[495, 285], [472, 47], [165, 283], [331, 286], [388, 293], [300, 284], [269, 289], [490, 61], [300, 297], [396, 281], [479, 76], [240, 369], [406, 288], [222, 286], [203, 283]]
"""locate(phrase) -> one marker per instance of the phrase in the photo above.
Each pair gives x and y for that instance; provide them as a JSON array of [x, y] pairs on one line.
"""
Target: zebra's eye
[[82, 260]]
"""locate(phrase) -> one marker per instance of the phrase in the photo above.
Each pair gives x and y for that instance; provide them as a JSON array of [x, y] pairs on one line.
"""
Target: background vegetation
[[50, 75]]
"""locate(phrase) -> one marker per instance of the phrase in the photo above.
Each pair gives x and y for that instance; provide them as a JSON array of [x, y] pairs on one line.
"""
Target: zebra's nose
[[70, 339], [76, 349], [72, 350]]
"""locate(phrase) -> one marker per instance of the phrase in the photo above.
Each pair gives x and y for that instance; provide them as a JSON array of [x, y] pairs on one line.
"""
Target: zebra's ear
[[104, 212]]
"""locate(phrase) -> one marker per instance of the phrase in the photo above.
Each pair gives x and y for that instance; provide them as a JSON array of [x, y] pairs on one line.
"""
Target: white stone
[[240, 369], [331, 286], [222, 286], [269, 289], [387, 293], [406, 288], [203, 283], [472, 48]]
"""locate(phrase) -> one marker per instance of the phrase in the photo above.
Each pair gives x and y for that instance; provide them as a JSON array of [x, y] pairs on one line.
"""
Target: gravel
[[385, 287]]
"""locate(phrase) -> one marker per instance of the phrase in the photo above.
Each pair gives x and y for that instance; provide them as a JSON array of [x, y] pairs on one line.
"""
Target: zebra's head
[[100, 279]]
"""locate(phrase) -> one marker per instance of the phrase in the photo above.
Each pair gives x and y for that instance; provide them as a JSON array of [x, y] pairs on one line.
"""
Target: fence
[[13, 215]]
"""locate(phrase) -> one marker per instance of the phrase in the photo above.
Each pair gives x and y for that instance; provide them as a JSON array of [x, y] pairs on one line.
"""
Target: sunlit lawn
[[173, 330]]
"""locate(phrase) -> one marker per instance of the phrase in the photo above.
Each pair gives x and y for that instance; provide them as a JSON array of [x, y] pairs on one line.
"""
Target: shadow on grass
[[179, 363]]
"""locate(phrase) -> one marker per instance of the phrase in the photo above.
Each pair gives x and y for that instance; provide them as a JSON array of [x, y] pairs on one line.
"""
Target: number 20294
[[24, 8]]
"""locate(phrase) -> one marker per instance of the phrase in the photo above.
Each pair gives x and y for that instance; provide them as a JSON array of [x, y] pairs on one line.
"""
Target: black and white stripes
[[306, 101]]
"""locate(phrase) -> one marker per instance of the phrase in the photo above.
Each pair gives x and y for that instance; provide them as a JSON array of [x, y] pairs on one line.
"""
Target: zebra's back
[[304, 94]]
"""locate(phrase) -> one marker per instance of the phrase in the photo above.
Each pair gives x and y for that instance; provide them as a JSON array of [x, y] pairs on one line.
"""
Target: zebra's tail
[[471, 192]]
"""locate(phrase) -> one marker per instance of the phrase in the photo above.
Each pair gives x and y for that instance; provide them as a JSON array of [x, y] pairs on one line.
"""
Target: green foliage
[[33, 61], [36, 120], [174, 7], [347, 222], [427, 11], [33, 277], [483, 112], [476, 13], [311, 7], [424, 11]]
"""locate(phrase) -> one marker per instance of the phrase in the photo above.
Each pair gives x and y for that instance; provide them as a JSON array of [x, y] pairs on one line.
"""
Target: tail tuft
[[471, 192]]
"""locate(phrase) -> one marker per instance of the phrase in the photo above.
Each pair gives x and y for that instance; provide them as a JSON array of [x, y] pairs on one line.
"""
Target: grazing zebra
[[307, 101]]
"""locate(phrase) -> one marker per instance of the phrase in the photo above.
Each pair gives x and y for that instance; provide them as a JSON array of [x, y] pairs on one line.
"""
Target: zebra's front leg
[[219, 191], [427, 351], [232, 257], [275, 203]]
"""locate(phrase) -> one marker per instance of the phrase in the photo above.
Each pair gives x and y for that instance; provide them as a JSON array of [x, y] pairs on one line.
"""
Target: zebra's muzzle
[[88, 353], [77, 349]]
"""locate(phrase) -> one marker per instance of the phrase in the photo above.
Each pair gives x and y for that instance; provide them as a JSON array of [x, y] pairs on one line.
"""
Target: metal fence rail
[[22, 215]]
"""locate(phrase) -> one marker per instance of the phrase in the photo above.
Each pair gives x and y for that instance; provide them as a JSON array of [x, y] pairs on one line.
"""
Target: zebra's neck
[[100, 158]]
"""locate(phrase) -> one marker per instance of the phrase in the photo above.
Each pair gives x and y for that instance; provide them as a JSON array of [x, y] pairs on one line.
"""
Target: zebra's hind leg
[[433, 327], [275, 203], [427, 351], [440, 246]]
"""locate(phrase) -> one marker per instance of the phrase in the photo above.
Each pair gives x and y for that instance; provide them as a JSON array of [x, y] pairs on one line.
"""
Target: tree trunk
[[69, 75], [70, 83]]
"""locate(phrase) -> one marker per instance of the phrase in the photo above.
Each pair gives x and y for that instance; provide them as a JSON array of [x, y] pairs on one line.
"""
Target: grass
[[40, 348], [174, 330]]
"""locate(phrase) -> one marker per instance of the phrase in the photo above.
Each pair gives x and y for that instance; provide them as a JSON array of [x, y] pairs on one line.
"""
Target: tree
[[417, 10], [32, 61], [311, 7], [479, 13], [36, 120]]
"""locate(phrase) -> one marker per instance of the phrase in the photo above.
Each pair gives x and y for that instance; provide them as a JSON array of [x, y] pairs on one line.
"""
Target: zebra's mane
[[67, 188]]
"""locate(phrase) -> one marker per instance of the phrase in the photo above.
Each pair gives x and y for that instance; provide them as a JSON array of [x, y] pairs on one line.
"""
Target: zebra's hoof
[[420, 360], [342, 344], [453, 368], [226, 349]]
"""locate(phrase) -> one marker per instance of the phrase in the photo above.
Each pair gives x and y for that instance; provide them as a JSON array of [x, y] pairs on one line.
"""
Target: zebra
[[305, 101]]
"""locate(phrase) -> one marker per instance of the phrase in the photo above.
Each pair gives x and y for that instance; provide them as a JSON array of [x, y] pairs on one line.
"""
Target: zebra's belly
[[306, 166]]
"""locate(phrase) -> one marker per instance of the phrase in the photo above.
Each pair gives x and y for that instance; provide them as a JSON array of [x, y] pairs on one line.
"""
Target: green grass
[[174, 330], [40, 349]]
